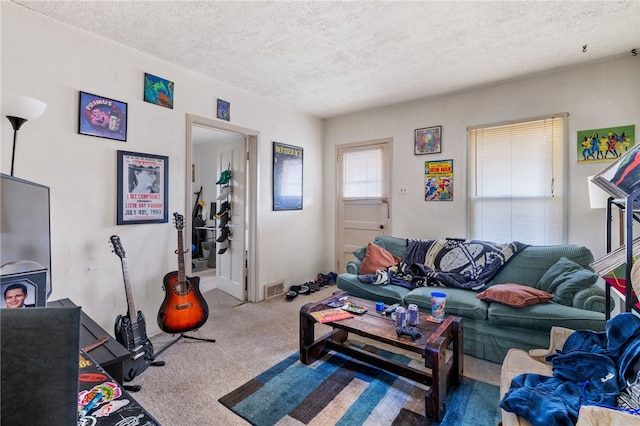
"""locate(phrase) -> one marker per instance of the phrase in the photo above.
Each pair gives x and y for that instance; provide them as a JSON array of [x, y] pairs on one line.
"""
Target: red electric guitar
[[183, 308]]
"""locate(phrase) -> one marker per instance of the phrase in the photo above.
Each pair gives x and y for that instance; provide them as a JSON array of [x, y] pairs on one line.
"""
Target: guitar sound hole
[[182, 288]]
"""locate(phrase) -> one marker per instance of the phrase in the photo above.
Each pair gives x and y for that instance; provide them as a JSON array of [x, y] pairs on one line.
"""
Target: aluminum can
[[412, 316], [401, 317]]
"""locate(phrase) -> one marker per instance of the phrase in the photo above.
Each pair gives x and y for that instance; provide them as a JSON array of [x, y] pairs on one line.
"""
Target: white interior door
[[362, 196], [230, 266]]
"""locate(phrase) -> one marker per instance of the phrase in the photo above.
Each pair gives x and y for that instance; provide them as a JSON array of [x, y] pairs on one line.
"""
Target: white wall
[[596, 96], [51, 61]]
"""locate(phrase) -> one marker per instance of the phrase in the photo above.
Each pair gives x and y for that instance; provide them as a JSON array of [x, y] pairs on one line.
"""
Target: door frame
[[252, 274]]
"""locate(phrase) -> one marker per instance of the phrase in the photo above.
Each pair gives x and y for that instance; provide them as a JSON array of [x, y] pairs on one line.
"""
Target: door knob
[[381, 226]]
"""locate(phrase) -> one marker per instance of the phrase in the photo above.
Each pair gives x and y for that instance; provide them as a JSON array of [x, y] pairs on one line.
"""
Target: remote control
[[411, 332], [391, 309]]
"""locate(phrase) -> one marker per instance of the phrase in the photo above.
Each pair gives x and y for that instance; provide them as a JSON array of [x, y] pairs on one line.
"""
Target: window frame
[[563, 173]]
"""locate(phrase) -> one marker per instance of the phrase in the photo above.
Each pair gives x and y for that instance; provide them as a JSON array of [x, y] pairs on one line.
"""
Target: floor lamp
[[18, 110]]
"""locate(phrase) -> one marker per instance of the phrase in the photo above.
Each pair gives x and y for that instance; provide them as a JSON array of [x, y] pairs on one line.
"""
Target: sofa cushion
[[515, 295], [544, 316], [564, 279], [376, 258], [389, 294], [459, 302], [530, 264]]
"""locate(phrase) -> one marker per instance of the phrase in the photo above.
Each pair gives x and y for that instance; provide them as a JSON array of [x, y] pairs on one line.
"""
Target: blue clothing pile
[[591, 369]]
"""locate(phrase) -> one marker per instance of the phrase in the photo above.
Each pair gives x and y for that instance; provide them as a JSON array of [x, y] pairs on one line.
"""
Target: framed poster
[[622, 177], [438, 180], [427, 140], [24, 290], [142, 188], [102, 117], [287, 177], [158, 91], [606, 144]]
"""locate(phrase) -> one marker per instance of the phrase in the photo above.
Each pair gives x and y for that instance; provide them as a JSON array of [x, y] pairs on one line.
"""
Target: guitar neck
[[133, 317], [182, 277]]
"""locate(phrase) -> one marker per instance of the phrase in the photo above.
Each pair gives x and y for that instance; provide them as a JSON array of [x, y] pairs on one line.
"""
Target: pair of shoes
[[313, 286], [330, 277], [291, 295], [225, 232], [225, 191], [224, 210], [223, 247], [300, 289]]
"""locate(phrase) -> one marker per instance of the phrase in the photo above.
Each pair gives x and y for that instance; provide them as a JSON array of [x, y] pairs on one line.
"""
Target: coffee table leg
[[306, 334], [435, 356], [458, 352]]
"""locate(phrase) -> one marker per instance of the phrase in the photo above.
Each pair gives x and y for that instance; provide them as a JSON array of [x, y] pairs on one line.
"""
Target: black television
[[25, 228]]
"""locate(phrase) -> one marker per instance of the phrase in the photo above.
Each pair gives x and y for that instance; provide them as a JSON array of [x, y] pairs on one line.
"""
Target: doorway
[[201, 130], [363, 172]]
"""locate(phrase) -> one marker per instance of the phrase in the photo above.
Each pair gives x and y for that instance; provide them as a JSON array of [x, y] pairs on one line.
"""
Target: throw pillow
[[376, 258], [516, 295], [564, 279]]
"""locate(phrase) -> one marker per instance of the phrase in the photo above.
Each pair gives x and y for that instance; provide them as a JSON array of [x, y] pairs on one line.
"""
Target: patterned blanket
[[467, 264]]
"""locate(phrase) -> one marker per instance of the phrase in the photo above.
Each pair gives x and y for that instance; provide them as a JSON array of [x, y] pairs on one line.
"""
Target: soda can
[[401, 317], [412, 316]]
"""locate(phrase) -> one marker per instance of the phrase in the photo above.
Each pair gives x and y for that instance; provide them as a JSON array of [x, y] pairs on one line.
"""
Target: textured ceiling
[[328, 58]]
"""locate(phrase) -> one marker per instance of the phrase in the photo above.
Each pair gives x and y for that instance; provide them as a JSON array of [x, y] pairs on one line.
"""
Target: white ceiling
[[333, 57]]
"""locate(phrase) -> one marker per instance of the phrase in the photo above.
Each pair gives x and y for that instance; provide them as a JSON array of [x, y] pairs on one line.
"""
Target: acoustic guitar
[[183, 308], [130, 329]]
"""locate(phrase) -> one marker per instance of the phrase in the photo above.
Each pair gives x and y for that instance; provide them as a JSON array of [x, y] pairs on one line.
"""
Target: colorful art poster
[[142, 188], [158, 91], [606, 144], [438, 180], [102, 117]]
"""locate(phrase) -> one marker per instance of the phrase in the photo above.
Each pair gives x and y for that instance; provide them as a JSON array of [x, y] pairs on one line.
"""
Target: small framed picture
[[24, 290], [158, 91], [102, 117], [428, 140], [224, 110], [142, 188]]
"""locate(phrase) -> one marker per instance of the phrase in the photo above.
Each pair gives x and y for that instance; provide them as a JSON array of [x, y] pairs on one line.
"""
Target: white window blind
[[517, 182], [363, 173]]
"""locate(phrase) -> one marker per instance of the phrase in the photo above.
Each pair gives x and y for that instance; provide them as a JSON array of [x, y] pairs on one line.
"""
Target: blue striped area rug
[[337, 390]]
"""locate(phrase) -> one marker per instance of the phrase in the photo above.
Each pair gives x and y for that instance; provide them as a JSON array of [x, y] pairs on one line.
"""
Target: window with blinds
[[516, 182], [363, 173]]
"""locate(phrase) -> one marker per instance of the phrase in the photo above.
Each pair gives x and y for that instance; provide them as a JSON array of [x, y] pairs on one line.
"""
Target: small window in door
[[363, 174]]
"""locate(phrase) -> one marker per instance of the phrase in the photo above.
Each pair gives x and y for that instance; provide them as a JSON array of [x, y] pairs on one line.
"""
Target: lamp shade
[[598, 198], [22, 107]]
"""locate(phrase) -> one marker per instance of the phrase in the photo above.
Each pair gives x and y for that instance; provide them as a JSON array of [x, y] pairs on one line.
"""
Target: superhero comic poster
[[438, 180]]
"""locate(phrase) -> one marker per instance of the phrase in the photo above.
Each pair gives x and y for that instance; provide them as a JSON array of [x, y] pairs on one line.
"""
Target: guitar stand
[[181, 336]]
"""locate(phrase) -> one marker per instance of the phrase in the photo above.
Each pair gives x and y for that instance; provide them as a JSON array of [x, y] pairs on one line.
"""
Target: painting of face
[[99, 117]]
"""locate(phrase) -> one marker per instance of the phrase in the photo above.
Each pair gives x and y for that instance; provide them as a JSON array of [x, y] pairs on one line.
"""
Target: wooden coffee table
[[436, 338]]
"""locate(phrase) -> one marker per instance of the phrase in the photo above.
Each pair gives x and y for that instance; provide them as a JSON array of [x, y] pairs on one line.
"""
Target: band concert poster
[[142, 188], [438, 180], [102, 117]]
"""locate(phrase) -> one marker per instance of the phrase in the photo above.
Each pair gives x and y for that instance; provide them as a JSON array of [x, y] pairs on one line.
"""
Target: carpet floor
[[337, 390]]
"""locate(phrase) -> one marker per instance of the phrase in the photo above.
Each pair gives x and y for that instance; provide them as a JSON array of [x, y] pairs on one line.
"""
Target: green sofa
[[491, 329]]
